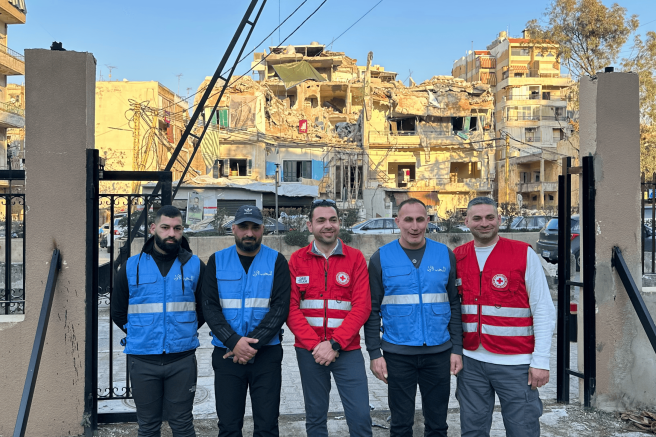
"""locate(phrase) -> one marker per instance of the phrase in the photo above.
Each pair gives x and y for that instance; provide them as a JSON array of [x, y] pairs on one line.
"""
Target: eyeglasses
[[322, 201]]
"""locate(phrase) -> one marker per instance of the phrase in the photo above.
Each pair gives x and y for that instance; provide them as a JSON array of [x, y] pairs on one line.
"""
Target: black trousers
[[432, 373], [171, 386], [232, 380]]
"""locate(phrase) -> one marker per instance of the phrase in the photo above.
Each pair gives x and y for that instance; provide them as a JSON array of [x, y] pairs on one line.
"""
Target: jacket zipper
[[164, 305], [421, 309]]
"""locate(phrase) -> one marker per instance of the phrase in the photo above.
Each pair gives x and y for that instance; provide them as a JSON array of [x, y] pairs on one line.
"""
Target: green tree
[[642, 61], [589, 34]]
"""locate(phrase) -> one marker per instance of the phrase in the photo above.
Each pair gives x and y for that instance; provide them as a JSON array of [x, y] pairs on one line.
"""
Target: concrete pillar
[[60, 127], [609, 129]]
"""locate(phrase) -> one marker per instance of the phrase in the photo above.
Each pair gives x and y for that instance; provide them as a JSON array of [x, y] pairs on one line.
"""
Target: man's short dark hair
[[320, 203], [169, 211], [410, 201], [482, 200]]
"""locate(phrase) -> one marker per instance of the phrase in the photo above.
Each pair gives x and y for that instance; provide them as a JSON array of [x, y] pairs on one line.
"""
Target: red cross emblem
[[500, 281], [342, 278]]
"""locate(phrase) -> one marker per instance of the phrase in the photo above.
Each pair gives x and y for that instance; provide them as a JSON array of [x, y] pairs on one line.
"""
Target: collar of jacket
[[338, 249], [184, 254]]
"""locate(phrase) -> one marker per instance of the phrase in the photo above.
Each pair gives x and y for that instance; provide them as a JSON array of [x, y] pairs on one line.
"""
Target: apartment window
[[537, 176], [237, 167], [524, 177], [220, 117], [546, 95], [550, 55], [531, 134], [520, 52], [292, 171], [558, 135]]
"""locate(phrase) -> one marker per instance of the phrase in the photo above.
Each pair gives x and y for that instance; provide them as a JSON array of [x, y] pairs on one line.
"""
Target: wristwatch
[[335, 345]]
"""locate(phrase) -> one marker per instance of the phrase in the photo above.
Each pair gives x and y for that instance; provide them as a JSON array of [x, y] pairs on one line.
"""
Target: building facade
[[12, 106], [354, 131], [530, 107]]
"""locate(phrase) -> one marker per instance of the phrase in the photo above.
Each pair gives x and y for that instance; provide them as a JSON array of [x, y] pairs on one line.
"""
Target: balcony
[[534, 77], [11, 116], [12, 63], [462, 185], [535, 118], [11, 13], [533, 187]]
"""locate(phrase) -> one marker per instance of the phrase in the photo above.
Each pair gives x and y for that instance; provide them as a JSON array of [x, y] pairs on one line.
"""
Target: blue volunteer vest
[[245, 296], [415, 308], [161, 310]]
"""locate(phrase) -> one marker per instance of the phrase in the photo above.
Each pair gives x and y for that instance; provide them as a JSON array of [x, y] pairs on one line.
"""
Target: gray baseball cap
[[248, 213]]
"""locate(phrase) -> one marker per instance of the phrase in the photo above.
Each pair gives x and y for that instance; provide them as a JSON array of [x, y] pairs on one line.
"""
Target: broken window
[[311, 102], [293, 171], [464, 124], [237, 167], [546, 95], [403, 126], [464, 170]]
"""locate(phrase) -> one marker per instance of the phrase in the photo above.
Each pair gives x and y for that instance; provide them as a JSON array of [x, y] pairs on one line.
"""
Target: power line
[[356, 22]]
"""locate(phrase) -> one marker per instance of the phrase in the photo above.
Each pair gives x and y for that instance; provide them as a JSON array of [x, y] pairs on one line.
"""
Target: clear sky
[[159, 39]]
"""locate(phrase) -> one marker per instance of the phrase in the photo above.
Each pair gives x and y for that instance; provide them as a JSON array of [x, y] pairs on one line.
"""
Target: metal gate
[[108, 373], [587, 188]]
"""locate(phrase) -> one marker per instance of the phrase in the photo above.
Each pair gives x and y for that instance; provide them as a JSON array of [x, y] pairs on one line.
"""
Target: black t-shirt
[[272, 322]]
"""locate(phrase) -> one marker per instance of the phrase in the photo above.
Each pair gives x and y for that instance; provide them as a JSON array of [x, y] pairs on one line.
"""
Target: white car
[[376, 226]]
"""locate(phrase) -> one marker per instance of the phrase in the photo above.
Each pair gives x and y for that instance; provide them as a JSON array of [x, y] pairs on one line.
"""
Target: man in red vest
[[508, 319]]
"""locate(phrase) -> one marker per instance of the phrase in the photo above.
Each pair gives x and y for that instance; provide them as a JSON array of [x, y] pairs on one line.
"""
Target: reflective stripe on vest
[[318, 321], [508, 331], [487, 310], [251, 302], [413, 299], [314, 304], [469, 309], [142, 308], [470, 327]]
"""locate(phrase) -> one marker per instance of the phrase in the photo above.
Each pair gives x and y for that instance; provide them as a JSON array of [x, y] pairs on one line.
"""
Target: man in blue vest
[[156, 300], [413, 290], [245, 302]]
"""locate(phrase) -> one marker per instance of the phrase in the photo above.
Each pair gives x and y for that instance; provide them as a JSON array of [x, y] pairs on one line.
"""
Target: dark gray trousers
[[171, 386], [351, 380], [521, 407]]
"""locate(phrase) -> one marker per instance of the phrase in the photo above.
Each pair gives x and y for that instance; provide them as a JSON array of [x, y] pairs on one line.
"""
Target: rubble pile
[[645, 421]]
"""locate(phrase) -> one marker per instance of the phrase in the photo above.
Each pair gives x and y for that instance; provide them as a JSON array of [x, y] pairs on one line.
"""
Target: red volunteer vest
[[495, 307]]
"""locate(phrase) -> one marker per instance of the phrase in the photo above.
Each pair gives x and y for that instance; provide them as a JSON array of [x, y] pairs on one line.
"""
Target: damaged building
[[354, 132]]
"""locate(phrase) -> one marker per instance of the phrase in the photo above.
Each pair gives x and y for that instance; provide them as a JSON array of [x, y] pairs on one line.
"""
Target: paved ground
[[558, 420]]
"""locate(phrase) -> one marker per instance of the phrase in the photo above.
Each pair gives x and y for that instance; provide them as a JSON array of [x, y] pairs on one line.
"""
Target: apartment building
[[138, 125], [353, 132], [12, 112], [531, 107]]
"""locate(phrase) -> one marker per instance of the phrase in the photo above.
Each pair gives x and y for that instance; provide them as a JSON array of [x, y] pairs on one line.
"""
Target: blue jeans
[[432, 373], [351, 379], [521, 407]]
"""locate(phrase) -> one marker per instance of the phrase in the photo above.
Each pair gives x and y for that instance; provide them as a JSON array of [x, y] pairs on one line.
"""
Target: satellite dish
[[519, 200]]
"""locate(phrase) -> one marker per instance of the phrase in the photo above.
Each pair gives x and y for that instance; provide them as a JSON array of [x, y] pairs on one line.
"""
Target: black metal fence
[[12, 252], [648, 222]]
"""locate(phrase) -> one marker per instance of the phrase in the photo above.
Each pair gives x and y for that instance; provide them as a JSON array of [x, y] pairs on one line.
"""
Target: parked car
[[435, 227], [548, 241], [529, 223], [376, 226]]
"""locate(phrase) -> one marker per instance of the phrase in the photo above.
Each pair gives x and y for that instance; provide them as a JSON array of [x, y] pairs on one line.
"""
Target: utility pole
[[276, 187], [110, 68], [507, 167]]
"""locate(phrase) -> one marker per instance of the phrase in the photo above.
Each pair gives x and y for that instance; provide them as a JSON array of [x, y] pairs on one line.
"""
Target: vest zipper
[[164, 305], [421, 306], [479, 307], [325, 306]]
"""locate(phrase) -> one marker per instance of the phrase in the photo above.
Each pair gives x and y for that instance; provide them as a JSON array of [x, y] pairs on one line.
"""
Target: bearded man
[[245, 302], [156, 302]]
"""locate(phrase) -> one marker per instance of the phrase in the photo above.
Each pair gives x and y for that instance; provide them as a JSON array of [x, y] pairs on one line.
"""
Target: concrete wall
[[609, 128], [367, 244], [60, 101]]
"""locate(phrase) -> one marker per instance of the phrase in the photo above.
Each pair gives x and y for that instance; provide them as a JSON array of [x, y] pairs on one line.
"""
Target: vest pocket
[[141, 319], [258, 316], [438, 316], [184, 317]]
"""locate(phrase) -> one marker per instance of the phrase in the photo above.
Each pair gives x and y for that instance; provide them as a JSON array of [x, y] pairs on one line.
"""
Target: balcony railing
[[522, 117], [554, 118], [12, 53], [535, 73], [7, 107], [533, 137]]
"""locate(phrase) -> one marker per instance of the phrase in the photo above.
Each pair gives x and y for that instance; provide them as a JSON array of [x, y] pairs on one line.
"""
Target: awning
[[428, 197], [519, 68], [298, 72]]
